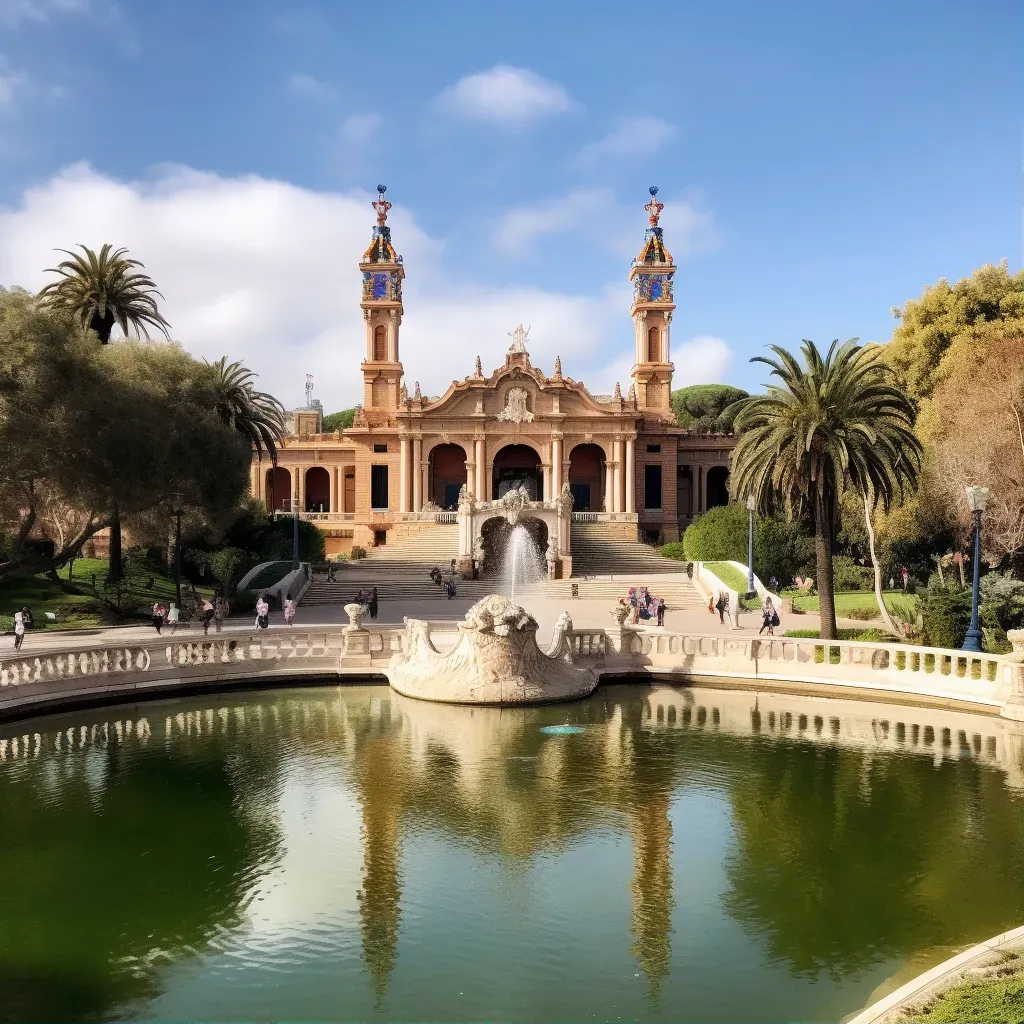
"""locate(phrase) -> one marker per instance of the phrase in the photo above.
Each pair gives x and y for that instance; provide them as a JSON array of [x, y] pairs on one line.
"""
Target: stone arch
[[516, 464], [587, 477], [446, 473], [380, 343], [653, 345], [278, 489], [717, 486], [318, 489], [494, 534]]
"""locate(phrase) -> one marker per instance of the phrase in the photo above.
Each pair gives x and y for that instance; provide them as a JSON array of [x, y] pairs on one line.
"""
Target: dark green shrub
[[947, 614], [358, 551], [847, 575], [674, 550]]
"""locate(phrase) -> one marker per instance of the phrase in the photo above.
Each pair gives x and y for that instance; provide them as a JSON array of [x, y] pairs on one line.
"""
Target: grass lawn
[[75, 604], [273, 573], [852, 601], [734, 580], [996, 996]]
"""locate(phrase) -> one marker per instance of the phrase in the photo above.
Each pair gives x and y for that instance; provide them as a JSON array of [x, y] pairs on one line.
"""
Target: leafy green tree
[[338, 420], [706, 408], [257, 416], [721, 534], [102, 290], [929, 325], [840, 420]]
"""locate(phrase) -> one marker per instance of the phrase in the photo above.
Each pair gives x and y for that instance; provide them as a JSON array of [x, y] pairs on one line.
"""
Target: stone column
[[547, 478], [300, 487], [404, 489], [609, 483], [630, 476], [617, 476], [700, 490], [417, 474], [482, 490], [335, 490], [556, 469]]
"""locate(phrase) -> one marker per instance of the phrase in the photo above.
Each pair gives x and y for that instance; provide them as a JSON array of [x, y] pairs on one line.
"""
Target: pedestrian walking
[[330, 572], [768, 618], [373, 604], [19, 628], [220, 612], [774, 584], [661, 611], [289, 610], [262, 612], [904, 576], [158, 615], [207, 614], [173, 615], [721, 604]]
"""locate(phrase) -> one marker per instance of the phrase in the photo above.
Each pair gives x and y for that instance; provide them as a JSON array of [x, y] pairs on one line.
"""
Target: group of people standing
[[645, 606], [204, 610], [447, 585], [368, 599], [721, 604]]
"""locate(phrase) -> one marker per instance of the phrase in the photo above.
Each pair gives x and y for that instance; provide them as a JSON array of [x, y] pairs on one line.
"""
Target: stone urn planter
[[355, 613], [1016, 637]]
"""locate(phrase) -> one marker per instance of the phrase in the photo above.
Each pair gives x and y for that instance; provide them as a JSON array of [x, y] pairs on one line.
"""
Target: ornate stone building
[[409, 463]]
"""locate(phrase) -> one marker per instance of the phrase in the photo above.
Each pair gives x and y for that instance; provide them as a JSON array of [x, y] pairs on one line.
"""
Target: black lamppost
[[977, 499], [177, 511], [750, 546]]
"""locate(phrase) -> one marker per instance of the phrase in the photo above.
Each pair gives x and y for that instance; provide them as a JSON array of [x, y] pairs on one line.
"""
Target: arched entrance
[[318, 490], [447, 474], [278, 490], [516, 465], [586, 477], [495, 534], [718, 486], [684, 491]]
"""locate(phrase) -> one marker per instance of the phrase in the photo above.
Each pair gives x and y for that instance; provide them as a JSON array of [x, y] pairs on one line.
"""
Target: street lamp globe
[[977, 497], [751, 504]]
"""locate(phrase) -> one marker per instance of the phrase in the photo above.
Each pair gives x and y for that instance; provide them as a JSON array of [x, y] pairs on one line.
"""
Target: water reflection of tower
[[380, 795]]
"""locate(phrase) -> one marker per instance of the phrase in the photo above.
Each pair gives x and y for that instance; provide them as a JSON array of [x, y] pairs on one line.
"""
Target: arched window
[[653, 345], [380, 343]]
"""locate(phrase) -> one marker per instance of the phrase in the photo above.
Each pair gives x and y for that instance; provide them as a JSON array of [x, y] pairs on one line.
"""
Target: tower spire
[[383, 273], [653, 277]]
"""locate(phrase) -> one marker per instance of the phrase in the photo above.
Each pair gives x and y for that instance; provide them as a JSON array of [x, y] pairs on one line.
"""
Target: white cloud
[[11, 84], [631, 137], [266, 272], [594, 215], [14, 12], [704, 359], [309, 87], [359, 129], [506, 95]]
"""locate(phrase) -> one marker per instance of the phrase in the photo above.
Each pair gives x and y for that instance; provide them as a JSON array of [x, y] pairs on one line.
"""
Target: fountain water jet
[[522, 566]]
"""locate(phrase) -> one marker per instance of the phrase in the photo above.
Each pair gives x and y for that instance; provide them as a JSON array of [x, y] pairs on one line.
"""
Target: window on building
[[654, 447], [652, 487], [653, 345], [379, 488], [380, 449], [380, 343]]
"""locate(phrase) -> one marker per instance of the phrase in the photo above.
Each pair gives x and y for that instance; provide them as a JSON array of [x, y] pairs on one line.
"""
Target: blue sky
[[819, 164]]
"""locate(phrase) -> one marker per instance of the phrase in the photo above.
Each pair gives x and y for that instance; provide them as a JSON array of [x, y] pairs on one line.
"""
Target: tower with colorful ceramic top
[[381, 304], [653, 277]]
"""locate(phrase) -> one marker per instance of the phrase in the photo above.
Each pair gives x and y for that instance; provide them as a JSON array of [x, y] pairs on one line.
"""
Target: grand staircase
[[604, 569], [598, 552]]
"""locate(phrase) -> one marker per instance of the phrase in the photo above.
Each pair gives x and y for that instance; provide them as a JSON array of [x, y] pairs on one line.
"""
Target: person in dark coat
[[373, 604]]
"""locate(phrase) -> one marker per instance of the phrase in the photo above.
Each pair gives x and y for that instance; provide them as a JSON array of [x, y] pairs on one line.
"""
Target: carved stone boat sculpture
[[495, 660]]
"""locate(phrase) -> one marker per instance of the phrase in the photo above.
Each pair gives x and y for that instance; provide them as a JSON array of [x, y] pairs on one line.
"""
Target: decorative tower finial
[[653, 208], [631, 394], [382, 205], [558, 368], [416, 395], [403, 393], [618, 392], [478, 369]]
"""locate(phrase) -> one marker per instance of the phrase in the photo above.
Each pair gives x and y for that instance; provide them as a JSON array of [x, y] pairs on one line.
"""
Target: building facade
[[409, 462]]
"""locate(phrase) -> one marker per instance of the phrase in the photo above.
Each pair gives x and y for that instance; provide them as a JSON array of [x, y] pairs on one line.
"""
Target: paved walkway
[[585, 614]]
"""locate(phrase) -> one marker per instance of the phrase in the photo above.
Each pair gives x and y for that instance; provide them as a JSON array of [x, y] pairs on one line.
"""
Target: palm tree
[[100, 291], [257, 416], [840, 421], [103, 290]]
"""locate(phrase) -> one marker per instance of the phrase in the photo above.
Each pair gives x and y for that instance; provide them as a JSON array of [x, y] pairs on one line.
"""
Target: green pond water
[[348, 854]]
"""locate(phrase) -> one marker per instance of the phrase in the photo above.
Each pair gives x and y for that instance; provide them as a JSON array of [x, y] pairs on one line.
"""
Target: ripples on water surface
[[347, 854]]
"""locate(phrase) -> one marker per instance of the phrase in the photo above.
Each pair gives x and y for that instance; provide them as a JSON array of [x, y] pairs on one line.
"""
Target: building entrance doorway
[[517, 465]]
